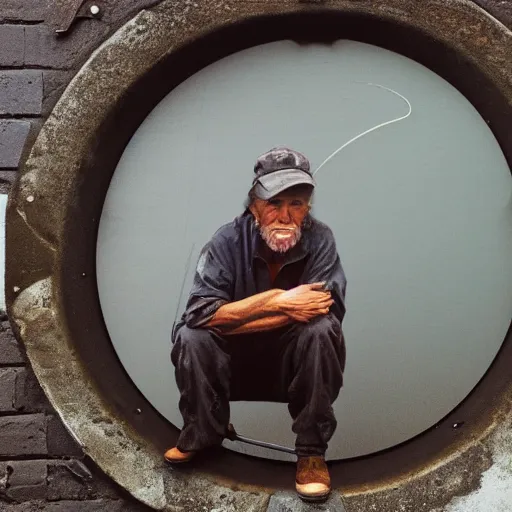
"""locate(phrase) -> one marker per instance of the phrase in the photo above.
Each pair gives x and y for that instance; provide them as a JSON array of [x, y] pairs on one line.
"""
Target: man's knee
[[323, 336], [321, 328]]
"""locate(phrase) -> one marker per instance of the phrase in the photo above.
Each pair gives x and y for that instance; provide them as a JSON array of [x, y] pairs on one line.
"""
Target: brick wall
[[36, 65], [41, 467]]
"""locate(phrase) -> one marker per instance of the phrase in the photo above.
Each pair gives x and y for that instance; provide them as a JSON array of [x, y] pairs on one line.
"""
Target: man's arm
[[324, 265], [242, 311], [271, 309], [261, 324]]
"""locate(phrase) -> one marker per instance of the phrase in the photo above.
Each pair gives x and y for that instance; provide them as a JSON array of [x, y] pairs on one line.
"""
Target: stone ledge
[[75, 506], [290, 502]]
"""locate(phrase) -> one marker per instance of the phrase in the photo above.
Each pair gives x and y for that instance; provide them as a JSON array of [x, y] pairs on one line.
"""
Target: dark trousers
[[300, 364]]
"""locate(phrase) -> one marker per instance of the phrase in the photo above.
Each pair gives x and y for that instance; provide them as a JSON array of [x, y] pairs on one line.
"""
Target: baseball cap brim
[[273, 183]]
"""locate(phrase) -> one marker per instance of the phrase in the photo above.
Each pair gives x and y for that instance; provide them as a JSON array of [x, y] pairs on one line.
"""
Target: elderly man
[[263, 321]]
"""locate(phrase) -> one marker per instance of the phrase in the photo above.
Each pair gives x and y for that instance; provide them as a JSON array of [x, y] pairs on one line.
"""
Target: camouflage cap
[[279, 169]]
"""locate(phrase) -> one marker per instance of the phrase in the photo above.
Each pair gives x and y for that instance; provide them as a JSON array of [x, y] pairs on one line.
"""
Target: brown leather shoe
[[176, 456], [312, 482]]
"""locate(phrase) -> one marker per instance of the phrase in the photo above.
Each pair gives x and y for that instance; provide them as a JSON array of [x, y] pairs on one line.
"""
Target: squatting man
[[263, 321]]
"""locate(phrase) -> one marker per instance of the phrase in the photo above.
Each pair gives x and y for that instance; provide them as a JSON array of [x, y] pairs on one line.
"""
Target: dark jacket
[[231, 267]]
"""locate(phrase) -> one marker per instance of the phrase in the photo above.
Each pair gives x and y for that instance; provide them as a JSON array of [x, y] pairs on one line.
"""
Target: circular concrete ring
[[52, 220]]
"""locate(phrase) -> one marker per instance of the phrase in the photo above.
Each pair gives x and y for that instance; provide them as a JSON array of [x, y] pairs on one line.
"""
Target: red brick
[[8, 389], [44, 49], [13, 135], [29, 396], [24, 10], [69, 480], [60, 442], [12, 45], [21, 92], [10, 352], [96, 506], [23, 435], [25, 479]]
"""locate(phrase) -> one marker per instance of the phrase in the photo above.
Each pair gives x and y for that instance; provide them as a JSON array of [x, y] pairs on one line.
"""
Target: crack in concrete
[[47, 244]]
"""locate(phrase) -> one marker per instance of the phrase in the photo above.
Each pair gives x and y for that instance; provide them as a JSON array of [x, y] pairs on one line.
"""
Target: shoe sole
[[314, 499], [177, 462]]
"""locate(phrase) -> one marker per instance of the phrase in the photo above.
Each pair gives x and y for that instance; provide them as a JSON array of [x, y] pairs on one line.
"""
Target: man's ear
[[254, 211]]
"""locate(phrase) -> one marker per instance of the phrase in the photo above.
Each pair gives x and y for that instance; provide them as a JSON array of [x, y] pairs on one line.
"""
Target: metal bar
[[233, 436], [64, 13], [263, 444]]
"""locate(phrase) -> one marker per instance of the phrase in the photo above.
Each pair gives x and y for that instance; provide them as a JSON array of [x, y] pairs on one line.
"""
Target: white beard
[[278, 243]]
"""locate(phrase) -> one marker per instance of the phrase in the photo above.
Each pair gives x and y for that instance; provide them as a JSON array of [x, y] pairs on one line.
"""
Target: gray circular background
[[420, 209]]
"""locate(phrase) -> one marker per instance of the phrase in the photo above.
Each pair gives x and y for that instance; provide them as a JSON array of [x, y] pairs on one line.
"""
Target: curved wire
[[371, 129]]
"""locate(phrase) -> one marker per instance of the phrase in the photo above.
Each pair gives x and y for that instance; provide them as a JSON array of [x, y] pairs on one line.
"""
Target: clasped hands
[[304, 302]]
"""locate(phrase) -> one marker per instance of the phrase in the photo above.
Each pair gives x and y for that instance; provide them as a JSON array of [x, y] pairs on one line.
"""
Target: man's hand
[[304, 302], [272, 309]]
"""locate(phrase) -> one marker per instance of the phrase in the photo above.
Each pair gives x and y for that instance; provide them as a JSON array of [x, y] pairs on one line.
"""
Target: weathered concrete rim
[[42, 203]]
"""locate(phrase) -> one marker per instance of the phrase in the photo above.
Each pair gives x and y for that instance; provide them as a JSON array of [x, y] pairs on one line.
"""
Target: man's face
[[280, 218]]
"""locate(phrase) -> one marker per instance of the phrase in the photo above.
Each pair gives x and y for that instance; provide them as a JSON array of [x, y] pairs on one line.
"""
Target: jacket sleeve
[[324, 265], [212, 286]]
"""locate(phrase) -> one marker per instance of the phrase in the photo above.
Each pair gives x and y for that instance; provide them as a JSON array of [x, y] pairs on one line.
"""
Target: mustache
[[275, 243]]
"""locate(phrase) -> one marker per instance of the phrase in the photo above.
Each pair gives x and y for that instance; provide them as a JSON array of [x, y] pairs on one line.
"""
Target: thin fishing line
[[187, 268], [371, 129]]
